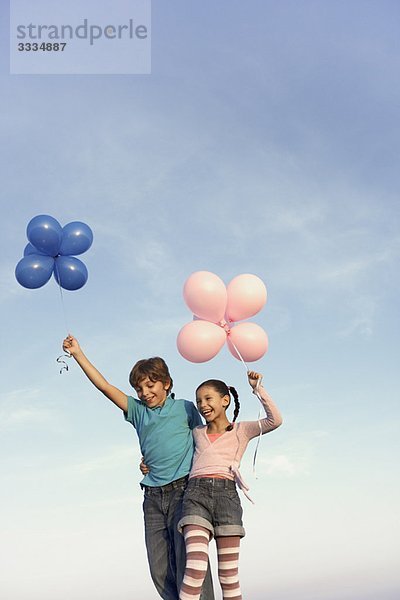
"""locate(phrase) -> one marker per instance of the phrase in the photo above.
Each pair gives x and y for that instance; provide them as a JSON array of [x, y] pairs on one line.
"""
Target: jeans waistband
[[215, 482], [167, 487]]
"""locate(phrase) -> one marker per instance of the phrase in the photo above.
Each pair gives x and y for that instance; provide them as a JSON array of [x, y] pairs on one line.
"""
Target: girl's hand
[[254, 378], [70, 344], [143, 467]]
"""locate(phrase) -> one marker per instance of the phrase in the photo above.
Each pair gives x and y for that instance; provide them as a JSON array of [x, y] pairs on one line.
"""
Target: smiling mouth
[[206, 413]]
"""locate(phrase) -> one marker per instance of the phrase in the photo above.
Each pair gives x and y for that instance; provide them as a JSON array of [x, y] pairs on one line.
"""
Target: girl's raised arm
[[274, 417]]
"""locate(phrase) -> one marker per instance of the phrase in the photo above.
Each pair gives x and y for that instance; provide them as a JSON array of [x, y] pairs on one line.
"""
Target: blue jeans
[[162, 508], [214, 504]]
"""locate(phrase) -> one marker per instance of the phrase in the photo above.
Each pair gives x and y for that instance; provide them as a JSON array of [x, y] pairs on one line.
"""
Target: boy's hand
[[143, 467], [70, 344], [254, 378]]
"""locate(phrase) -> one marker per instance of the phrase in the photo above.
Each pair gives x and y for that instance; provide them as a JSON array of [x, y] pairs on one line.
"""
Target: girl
[[211, 505]]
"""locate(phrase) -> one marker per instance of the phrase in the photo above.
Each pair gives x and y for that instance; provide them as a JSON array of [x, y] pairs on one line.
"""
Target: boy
[[163, 426]]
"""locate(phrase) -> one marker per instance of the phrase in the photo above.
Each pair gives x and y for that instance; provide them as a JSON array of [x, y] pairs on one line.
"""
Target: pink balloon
[[200, 341], [247, 295], [250, 339], [205, 295]]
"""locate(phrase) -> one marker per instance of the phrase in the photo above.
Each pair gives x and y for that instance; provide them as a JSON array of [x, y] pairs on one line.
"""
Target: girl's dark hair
[[155, 369], [225, 390]]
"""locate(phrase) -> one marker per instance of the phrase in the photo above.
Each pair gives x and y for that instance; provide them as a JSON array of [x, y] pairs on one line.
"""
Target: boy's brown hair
[[154, 368]]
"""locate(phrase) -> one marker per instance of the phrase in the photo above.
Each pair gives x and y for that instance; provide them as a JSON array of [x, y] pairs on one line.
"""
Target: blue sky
[[264, 141]]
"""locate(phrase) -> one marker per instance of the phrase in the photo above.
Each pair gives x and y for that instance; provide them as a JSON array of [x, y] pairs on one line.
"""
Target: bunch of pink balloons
[[216, 308]]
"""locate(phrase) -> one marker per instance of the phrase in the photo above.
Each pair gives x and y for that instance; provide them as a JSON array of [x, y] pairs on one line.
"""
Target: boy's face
[[152, 393]]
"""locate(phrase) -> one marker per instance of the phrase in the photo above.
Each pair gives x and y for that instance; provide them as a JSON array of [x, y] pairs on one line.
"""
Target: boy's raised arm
[[71, 345]]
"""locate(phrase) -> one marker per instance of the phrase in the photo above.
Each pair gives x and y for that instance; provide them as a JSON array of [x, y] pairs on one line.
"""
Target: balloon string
[[257, 445], [62, 298], [60, 359], [240, 356], [257, 393]]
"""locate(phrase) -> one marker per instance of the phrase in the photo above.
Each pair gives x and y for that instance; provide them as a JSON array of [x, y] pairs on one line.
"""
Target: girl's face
[[152, 393], [210, 403]]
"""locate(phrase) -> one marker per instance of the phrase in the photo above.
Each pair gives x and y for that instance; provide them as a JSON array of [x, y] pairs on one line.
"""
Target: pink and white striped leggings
[[197, 541]]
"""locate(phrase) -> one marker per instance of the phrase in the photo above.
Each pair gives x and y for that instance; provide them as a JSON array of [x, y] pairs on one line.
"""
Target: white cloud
[[9, 288], [361, 324], [347, 271], [116, 457], [21, 408], [283, 465], [299, 219], [296, 459], [280, 464]]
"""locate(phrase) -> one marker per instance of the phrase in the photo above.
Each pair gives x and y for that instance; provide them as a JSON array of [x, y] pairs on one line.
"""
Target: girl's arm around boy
[[120, 399]]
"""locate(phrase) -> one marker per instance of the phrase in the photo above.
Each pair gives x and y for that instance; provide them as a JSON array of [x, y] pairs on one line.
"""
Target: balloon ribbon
[[61, 361], [257, 393]]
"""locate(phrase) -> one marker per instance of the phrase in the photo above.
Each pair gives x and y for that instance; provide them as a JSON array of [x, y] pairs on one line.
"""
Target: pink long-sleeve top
[[223, 456]]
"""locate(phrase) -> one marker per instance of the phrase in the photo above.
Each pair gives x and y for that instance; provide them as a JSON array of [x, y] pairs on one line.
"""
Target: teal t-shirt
[[165, 437]]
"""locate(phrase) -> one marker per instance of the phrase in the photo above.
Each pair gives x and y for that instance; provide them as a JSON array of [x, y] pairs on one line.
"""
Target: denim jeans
[[162, 508], [213, 503]]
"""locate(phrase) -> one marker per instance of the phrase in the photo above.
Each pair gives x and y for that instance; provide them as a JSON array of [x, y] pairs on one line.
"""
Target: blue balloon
[[70, 272], [77, 237], [45, 233], [29, 249], [34, 270]]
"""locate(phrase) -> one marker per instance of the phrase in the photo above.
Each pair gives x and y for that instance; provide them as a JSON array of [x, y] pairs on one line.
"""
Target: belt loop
[[226, 483], [174, 485]]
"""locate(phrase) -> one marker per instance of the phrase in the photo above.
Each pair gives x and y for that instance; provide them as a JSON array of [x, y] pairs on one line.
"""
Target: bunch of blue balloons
[[51, 251]]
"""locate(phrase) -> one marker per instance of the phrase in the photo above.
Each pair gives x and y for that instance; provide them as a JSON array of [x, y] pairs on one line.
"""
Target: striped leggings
[[197, 541]]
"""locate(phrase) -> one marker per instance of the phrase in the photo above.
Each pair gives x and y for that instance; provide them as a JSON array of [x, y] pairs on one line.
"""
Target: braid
[[236, 400], [235, 397]]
